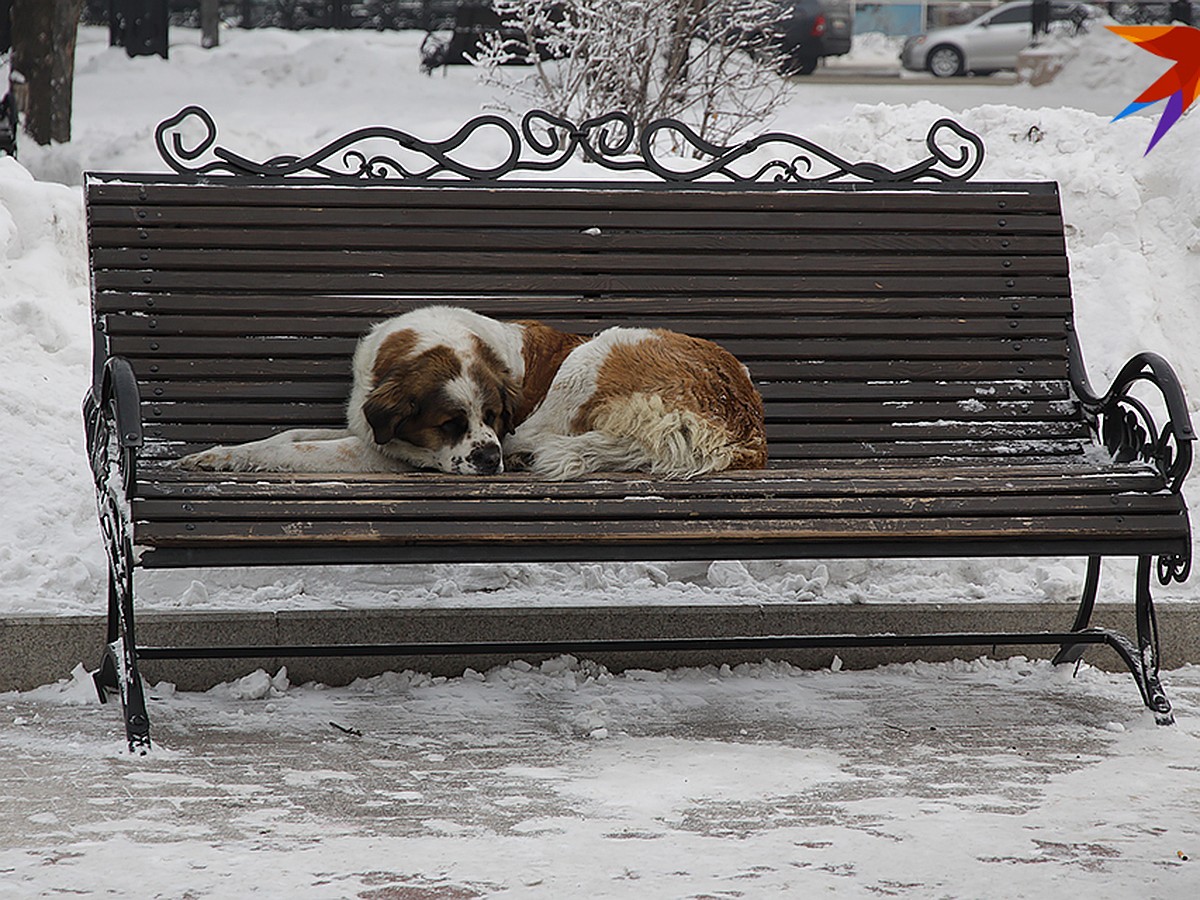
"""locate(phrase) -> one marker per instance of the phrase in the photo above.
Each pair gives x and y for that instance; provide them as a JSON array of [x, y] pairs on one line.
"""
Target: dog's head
[[442, 409]]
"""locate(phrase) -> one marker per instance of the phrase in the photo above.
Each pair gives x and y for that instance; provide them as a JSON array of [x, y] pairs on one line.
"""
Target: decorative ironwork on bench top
[[544, 142]]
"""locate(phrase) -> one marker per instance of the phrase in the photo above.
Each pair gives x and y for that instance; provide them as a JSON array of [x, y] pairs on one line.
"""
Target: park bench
[[911, 332]]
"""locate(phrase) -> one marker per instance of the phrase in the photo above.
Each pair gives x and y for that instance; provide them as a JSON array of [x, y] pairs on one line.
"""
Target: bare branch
[[708, 63]]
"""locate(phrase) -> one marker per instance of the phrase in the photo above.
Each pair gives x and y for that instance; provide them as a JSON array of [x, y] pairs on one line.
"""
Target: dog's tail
[[639, 432]]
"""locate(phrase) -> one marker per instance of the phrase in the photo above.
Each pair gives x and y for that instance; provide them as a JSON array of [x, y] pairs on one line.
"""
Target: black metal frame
[[112, 422], [546, 142], [111, 409]]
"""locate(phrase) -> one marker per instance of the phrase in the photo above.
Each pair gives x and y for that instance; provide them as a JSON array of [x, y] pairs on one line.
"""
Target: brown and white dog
[[448, 389]]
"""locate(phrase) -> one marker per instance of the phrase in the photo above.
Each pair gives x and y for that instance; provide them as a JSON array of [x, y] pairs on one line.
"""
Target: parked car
[[990, 43], [811, 29]]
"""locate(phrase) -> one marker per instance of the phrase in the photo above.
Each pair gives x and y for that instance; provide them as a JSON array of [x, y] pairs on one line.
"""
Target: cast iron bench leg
[[1069, 653], [118, 671], [1148, 647], [1142, 659]]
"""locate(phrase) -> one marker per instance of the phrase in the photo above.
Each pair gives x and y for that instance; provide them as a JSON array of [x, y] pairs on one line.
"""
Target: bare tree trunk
[[43, 66], [683, 29], [210, 23]]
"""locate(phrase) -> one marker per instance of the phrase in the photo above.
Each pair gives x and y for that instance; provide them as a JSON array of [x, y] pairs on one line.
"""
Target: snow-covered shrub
[[709, 63]]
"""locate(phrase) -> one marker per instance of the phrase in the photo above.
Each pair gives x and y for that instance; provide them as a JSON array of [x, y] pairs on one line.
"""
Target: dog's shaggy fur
[[448, 389]]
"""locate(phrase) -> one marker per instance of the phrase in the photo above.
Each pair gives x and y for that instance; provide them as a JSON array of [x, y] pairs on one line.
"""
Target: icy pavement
[[983, 779]]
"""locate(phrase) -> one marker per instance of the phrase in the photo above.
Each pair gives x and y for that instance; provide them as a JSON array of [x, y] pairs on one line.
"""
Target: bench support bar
[[1139, 659]]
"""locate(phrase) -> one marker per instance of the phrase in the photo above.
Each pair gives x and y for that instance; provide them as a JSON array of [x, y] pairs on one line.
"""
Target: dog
[[448, 389]]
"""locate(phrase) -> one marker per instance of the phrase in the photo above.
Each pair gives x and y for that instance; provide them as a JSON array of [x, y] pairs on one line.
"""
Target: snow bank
[[1133, 222], [1133, 233], [1099, 61], [49, 554]]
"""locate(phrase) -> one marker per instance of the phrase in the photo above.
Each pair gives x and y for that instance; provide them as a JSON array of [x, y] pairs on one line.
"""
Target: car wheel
[[806, 65], [944, 61], [798, 64]]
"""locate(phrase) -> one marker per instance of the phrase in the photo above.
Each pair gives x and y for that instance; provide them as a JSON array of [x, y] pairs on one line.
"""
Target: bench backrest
[[901, 322]]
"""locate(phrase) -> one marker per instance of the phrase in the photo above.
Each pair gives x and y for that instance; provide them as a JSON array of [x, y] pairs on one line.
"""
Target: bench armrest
[[112, 414], [1126, 425]]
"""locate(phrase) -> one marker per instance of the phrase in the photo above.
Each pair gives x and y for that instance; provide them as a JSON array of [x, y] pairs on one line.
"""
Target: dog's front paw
[[214, 459], [521, 461]]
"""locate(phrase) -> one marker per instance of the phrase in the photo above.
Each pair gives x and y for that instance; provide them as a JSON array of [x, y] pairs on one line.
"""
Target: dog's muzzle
[[486, 460]]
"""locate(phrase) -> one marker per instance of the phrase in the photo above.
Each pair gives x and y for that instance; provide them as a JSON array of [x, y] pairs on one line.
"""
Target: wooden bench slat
[[552, 307], [777, 481], [171, 442], [235, 429], [151, 364], [900, 431], [715, 329], [915, 410], [1026, 529], [1035, 394], [1017, 369], [470, 283], [649, 510], [413, 262], [142, 189], [866, 420], [995, 450], [747, 350], [225, 408], [596, 215], [110, 238], [779, 435], [774, 392]]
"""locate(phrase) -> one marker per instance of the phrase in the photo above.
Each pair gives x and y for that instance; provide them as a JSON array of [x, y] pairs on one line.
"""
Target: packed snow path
[[985, 779]]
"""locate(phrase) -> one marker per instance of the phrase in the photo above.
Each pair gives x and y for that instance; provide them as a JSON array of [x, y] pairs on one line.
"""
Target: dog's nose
[[485, 459]]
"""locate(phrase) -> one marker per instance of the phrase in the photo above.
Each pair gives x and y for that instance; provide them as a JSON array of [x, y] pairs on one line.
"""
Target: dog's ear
[[388, 407], [510, 399]]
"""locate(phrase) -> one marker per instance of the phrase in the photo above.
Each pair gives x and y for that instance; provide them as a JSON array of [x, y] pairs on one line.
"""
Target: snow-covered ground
[[985, 779], [1133, 229]]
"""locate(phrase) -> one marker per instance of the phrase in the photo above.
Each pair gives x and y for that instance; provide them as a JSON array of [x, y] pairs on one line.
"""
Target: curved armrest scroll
[[112, 415], [119, 391], [1127, 427]]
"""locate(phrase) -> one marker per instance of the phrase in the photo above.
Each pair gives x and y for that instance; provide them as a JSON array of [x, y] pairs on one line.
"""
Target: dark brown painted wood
[[1024, 528], [1037, 198], [550, 306], [911, 347]]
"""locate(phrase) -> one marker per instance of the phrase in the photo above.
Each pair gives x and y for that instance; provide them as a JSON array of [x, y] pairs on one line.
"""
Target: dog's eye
[[489, 419], [453, 428]]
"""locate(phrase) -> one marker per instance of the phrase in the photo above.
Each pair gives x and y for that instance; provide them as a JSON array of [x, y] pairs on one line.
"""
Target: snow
[[984, 779], [1134, 245], [980, 779]]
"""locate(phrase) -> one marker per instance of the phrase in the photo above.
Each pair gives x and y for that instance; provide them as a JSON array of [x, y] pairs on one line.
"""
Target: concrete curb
[[37, 650]]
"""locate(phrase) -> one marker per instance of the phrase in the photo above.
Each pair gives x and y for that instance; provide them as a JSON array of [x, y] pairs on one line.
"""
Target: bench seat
[[819, 509]]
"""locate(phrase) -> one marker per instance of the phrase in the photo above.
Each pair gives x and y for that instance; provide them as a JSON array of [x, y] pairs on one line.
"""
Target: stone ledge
[[36, 650]]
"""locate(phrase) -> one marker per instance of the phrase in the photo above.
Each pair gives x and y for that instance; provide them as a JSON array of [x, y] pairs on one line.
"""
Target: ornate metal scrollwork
[[545, 142], [112, 471], [341, 158], [1129, 432], [1174, 567], [1127, 428]]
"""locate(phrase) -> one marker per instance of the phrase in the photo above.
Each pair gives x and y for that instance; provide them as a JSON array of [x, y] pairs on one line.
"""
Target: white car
[[987, 44]]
